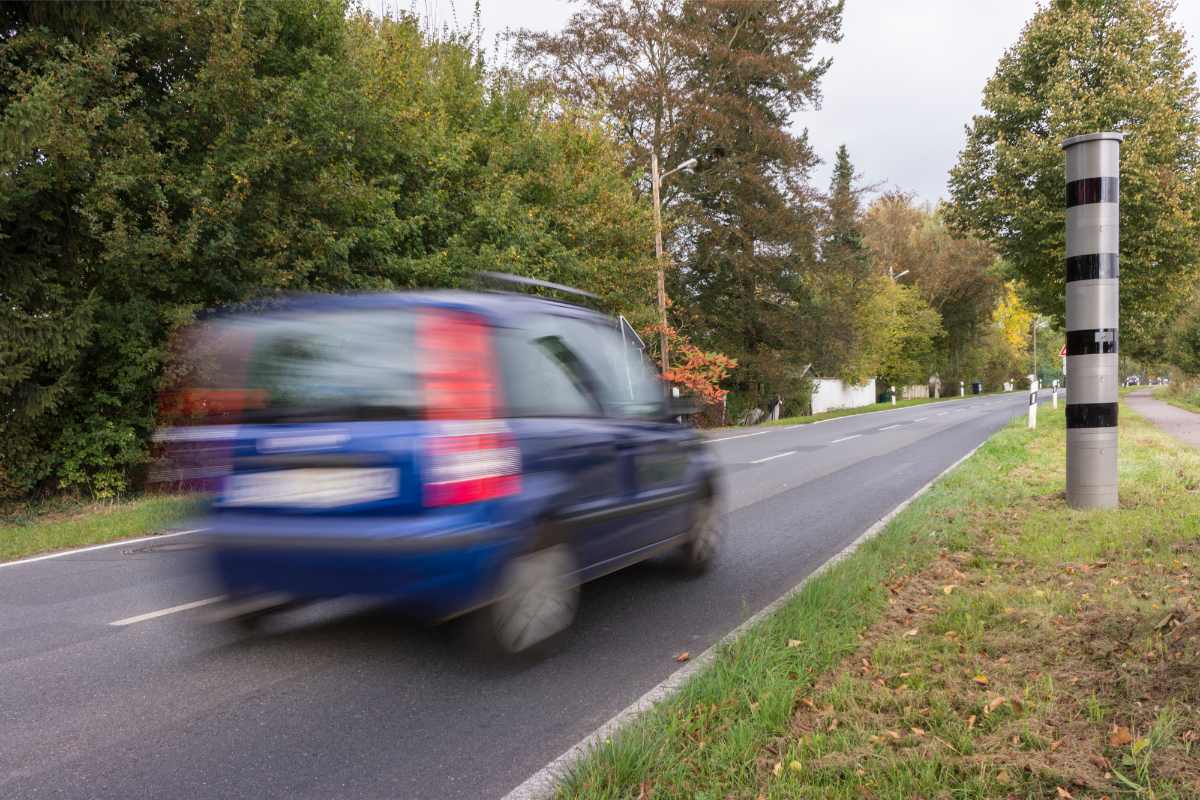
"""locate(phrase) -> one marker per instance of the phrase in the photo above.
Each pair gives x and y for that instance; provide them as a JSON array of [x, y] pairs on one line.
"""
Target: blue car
[[455, 453]]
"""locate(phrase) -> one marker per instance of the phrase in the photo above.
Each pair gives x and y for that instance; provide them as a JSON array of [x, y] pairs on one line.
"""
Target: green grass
[[64, 524], [849, 412], [1034, 630]]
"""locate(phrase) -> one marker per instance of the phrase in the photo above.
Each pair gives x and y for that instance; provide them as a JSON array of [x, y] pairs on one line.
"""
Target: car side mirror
[[682, 406]]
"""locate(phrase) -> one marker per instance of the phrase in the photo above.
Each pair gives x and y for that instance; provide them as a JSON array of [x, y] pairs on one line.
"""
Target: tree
[[1082, 66], [157, 159], [842, 284], [955, 275], [718, 81]]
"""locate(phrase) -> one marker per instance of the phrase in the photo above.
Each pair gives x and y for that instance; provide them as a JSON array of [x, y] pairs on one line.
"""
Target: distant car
[[451, 452], [1132, 380]]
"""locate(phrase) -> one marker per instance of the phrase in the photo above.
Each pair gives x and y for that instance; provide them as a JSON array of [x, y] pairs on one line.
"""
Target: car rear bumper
[[430, 575]]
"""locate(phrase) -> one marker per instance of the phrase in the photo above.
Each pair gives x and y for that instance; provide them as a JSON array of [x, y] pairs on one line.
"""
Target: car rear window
[[301, 367]]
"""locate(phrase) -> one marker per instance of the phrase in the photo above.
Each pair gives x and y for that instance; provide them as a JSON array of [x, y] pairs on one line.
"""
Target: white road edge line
[[165, 611], [941, 413], [543, 784], [889, 427], [119, 543], [772, 458], [739, 436], [920, 419], [846, 438]]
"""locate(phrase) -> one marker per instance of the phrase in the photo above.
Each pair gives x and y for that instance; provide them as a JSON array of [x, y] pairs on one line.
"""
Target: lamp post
[[656, 180]]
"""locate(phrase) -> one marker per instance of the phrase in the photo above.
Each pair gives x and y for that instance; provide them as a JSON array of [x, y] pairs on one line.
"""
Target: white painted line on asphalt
[[120, 543], [846, 438], [739, 436], [941, 413], [920, 419], [772, 458], [889, 427], [165, 611], [543, 784]]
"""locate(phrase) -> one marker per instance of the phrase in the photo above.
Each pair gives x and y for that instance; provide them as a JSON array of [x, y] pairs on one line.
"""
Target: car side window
[[629, 386], [542, 376]]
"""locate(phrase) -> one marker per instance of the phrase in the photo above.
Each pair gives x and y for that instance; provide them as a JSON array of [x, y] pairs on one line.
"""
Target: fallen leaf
[[684, 656], [794, 765], [948, 588], [970, 722], [912, 632], [1139, 745], [917, 731], [1063, 793], [1119, 736], [1055, 745], [893, 734], [1002, 777], [808, 702], [981, 680], [905, 674], [777, 769], [993, 704], [793, 642]]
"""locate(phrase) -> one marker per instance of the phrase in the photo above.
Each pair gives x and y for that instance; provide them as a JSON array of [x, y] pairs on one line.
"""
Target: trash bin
[[976, 387]]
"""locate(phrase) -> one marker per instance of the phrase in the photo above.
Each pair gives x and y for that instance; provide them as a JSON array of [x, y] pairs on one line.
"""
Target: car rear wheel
[[537, 599], [699, 549]]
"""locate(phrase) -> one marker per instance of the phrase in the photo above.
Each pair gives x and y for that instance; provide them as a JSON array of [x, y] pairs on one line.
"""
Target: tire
[[537, 597], [698, 551]]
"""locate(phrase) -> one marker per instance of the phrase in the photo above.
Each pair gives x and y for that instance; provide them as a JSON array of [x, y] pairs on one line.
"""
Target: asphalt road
[[340, 700]]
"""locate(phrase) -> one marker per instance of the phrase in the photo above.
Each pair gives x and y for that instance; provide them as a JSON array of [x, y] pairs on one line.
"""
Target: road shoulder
[[1176, 422]]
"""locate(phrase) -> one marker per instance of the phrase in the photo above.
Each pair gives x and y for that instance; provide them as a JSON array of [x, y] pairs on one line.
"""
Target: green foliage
[[1082, 66], [157, 159], [1184, 343]]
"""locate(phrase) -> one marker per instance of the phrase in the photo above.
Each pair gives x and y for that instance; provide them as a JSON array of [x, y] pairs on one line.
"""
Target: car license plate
[[310, 487]]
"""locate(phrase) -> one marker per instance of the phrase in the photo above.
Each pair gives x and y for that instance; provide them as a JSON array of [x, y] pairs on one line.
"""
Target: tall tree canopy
[[1082, 66], [717, 80], [158, 158]]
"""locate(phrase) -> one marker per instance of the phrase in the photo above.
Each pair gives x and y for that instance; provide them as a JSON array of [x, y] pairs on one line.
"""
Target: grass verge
[[61, 525], [989, 643]]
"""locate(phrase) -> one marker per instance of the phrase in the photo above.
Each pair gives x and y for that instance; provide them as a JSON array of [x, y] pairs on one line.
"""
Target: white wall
[[830, 393]]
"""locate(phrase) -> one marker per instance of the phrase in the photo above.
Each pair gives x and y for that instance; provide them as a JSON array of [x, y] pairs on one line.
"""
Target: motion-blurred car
[[1132, 380], [452, 452]]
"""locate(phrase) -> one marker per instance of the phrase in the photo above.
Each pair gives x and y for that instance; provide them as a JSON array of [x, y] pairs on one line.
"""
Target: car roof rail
[[508, 279]]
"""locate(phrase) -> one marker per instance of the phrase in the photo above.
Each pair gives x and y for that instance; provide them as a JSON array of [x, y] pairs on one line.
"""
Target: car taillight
[[456, 366], [471, 463]]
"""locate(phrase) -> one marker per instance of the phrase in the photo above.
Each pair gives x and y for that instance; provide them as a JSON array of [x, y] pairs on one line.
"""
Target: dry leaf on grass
[[684, 656], [981, 680], [793, 642], [1119, 736]]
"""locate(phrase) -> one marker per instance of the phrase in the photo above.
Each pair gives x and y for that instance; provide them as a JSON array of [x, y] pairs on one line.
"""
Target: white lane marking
[[846, 438], [889, 427], [920, 419], [739, 436], [772, 458], [162, 612], [544, 784], [941, 413], [119, 543]]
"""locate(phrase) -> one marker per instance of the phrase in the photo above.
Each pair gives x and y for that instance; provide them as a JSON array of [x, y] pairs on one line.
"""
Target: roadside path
[[1182, 425]]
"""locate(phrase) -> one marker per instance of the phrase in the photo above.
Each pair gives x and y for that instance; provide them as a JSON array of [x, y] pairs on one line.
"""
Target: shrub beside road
[[989, 639]]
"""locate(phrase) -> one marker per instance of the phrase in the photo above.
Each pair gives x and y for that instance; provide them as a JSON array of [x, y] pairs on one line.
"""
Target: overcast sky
[[906, 77]]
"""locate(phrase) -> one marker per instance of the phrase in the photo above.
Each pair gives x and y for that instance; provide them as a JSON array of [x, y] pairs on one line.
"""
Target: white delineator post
[[962, 389], [1033, 395], [893, 395], [1093, 247], [1054, 395]]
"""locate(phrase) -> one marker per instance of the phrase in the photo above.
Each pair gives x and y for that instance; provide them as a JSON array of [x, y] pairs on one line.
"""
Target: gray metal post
[[1093, 180]]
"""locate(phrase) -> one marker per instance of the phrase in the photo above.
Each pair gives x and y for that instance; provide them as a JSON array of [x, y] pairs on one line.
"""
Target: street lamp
[[656, 180]]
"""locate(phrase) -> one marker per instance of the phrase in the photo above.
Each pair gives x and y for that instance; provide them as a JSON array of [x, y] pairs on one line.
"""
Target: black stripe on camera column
[[1092, 273]]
